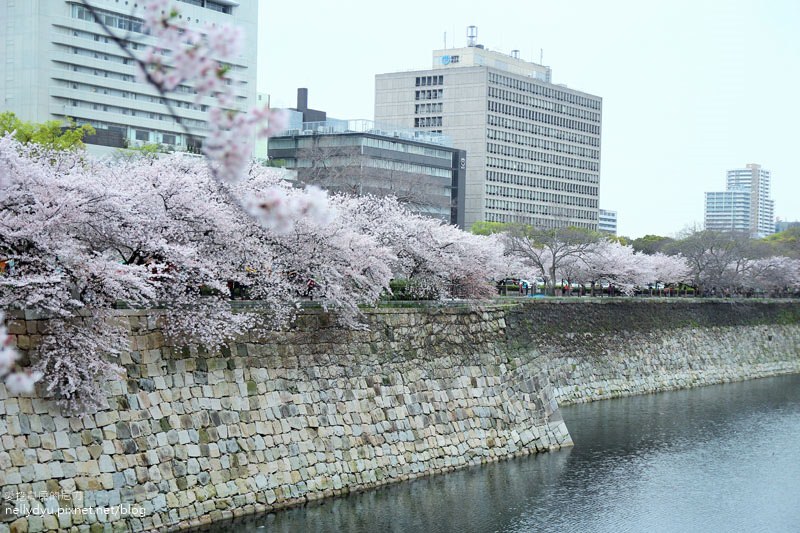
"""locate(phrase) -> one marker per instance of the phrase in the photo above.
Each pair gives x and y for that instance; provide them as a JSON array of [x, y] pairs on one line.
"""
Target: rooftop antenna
[[515, 54], [445, 39], [472, 35], [541, 56]]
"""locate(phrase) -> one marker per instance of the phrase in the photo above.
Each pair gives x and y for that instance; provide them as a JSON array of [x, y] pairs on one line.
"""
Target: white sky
[[690, 88]]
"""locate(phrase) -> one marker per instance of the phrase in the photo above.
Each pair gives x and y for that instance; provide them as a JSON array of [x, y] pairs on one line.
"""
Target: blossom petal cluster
[[198, 56], [16, 381], [183, 57]]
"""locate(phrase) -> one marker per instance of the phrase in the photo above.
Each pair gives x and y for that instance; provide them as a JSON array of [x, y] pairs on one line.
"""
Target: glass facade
[[422, 175]]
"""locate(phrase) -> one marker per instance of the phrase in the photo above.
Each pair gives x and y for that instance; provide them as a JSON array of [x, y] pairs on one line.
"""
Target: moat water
[[714, 459]]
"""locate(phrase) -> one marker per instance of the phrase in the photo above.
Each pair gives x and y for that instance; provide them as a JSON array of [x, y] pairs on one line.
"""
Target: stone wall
[[595, 349], [192, 436]]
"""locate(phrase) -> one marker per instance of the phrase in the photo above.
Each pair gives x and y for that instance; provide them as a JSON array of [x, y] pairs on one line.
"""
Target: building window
[[422, 81], [210, 4], [430, 94], [142, 135], [111, 19], [427, 122], [218, 7]]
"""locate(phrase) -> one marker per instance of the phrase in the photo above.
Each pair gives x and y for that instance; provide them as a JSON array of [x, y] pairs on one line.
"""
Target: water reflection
[[723, 458], [467, 500]]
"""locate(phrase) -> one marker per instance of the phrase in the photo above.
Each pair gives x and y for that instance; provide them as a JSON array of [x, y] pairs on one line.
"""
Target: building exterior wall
[[533, 148], [59, 63], [745, 206], [427, 177], [478, 56], [728, 210], [607, 221]]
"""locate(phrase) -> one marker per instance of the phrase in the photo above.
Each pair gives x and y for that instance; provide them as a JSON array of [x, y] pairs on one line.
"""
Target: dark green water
[[716, 459]]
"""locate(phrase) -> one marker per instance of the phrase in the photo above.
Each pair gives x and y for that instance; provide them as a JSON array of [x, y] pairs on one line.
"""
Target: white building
[[58, 62], [607, 222], [533, 148], [745, 206]]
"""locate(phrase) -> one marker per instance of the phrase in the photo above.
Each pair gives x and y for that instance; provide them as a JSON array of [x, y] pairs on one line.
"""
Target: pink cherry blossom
[[22, 382], [183, 55], [19, 381]]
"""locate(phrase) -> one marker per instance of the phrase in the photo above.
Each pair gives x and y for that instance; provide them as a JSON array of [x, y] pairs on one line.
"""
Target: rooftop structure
[[337, 126]]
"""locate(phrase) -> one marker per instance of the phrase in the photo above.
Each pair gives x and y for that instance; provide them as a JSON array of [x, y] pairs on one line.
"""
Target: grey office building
[[533, 147], [360, 157]]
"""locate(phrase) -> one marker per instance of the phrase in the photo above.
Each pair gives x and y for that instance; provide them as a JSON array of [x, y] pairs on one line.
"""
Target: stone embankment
[[595, 350], [192, 436]]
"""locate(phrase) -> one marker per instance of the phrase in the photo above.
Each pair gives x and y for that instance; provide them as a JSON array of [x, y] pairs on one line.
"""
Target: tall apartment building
[[607, 222], [58, 62], [745, 205], [533, 147]]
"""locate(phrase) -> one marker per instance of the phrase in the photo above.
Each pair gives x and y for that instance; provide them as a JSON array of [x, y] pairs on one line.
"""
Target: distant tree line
[[702, 262]]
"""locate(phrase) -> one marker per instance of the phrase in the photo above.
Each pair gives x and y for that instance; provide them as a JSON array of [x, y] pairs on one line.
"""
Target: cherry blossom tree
[[184, 55], [437, 260], [323, 256], [580, 256], [549, 250], [16, 381], [664, 269], [86, 236], [775, 275], [44, 200], [610, 262], [717, 259]]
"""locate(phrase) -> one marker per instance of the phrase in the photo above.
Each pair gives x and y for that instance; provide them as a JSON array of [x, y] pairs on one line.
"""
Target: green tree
[[651, 244], [52, 134], [488, 228], [145, 151], [785, 242], [278, 163]]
